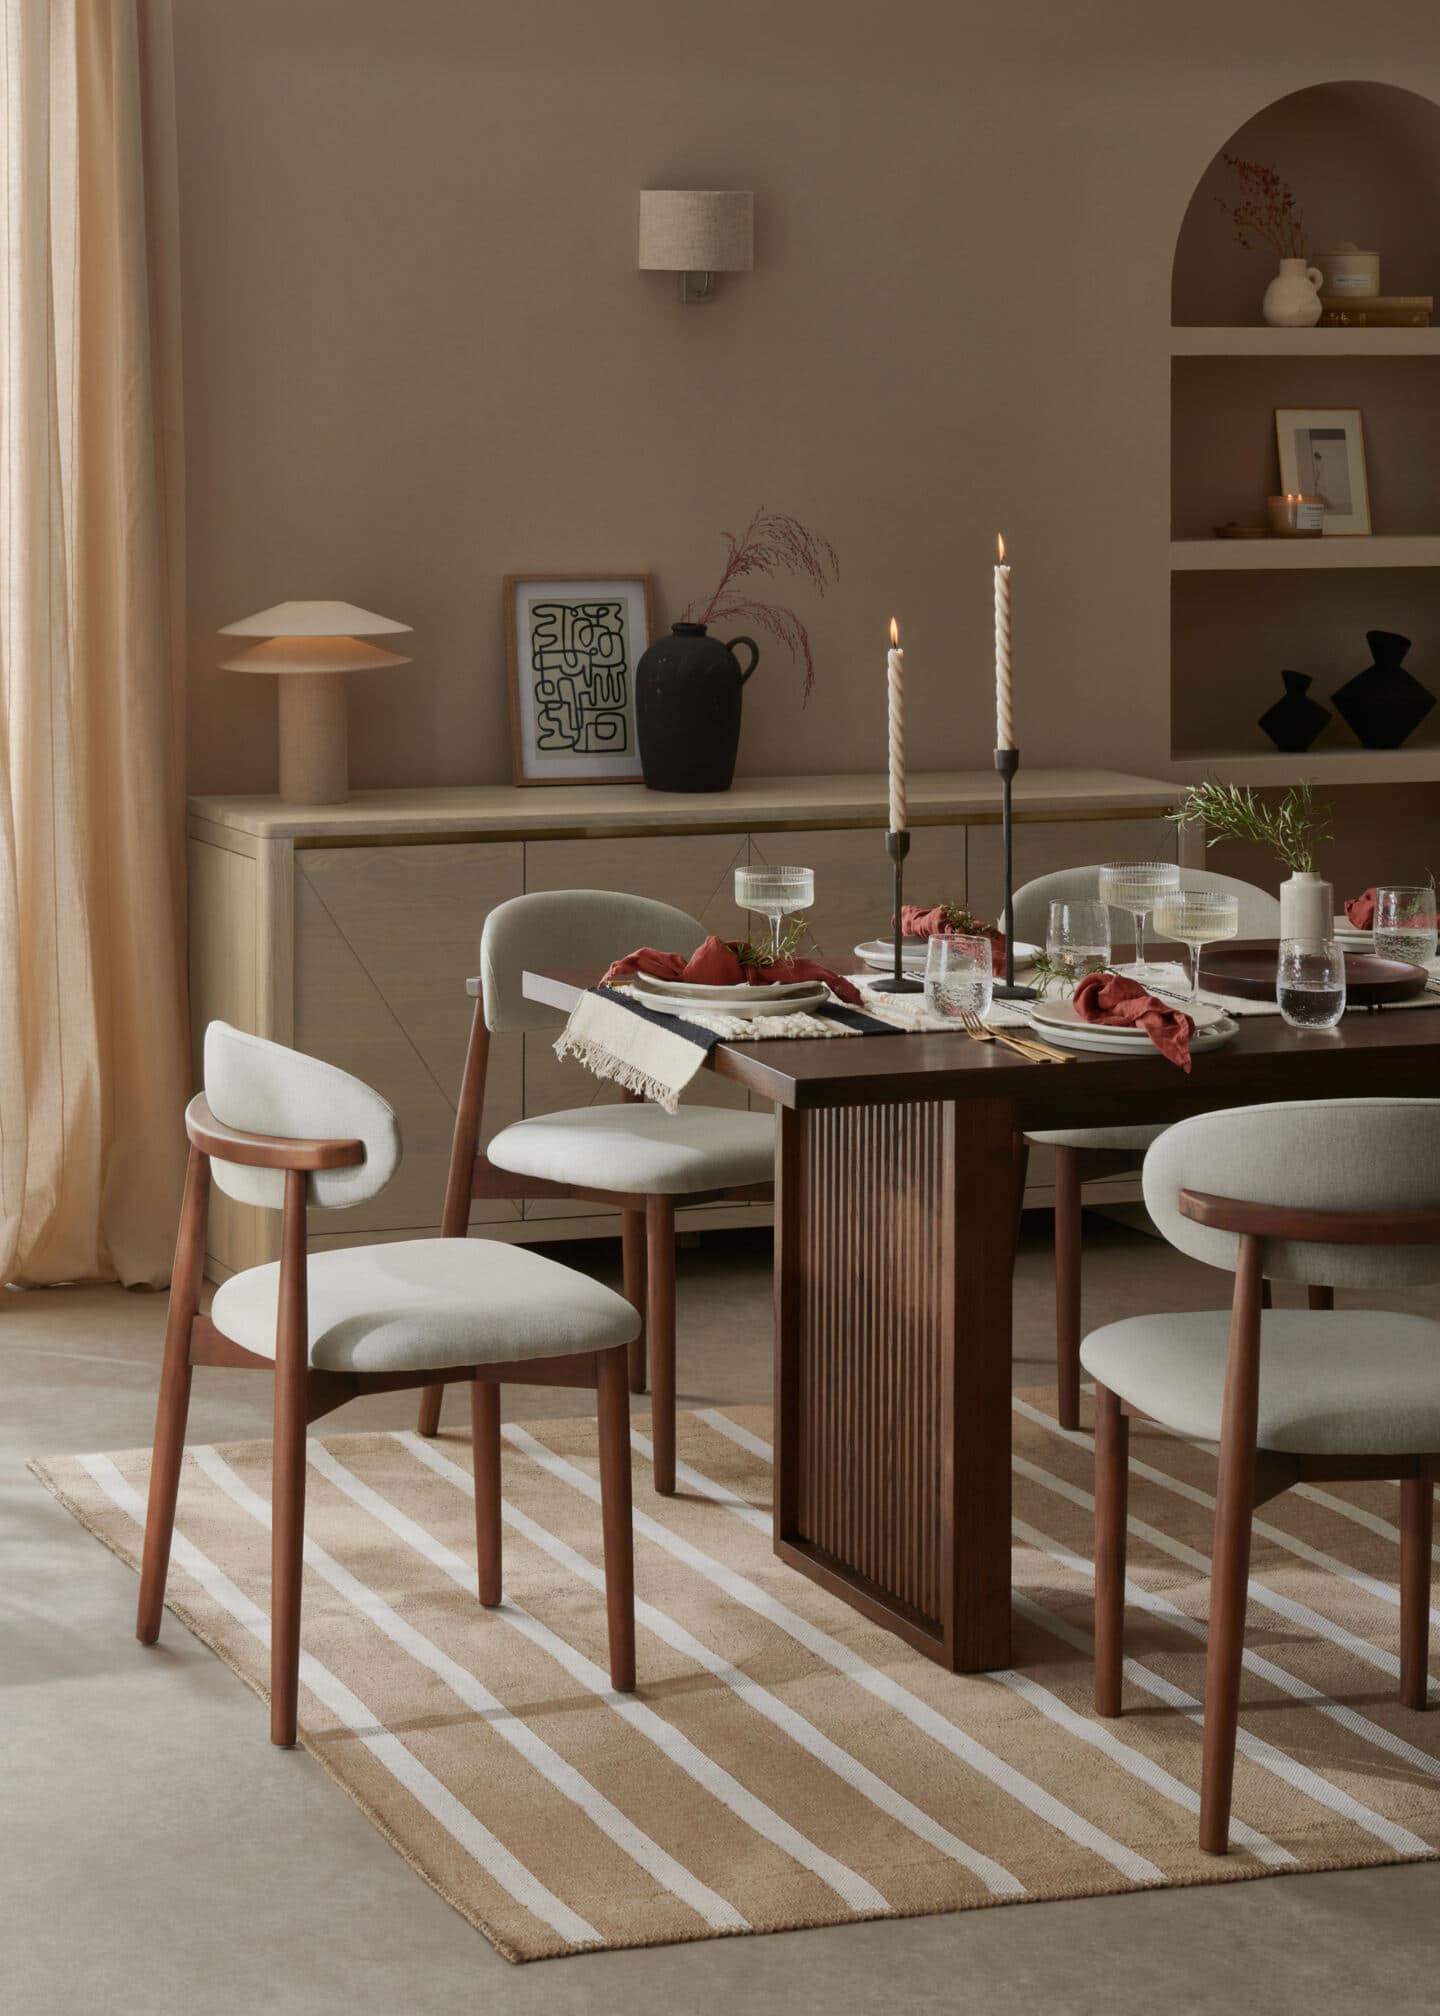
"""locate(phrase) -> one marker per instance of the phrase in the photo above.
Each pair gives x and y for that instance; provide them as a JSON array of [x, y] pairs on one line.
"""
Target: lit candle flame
[[1000, 548], [894, 634]]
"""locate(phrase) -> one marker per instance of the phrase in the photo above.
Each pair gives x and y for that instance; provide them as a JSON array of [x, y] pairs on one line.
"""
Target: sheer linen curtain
[[93, 1027]]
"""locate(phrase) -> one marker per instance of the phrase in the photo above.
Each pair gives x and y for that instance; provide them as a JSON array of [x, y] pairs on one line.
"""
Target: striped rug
[[785, 1764]]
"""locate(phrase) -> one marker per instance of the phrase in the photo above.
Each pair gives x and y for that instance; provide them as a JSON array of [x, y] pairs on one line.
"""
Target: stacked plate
[[1351, 940], [879, 953], [681, 997], [1058, 1022]]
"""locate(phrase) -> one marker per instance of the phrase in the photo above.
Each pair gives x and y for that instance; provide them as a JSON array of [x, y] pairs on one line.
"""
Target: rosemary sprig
[[1043, 973], [1292, 826], [761, 955]]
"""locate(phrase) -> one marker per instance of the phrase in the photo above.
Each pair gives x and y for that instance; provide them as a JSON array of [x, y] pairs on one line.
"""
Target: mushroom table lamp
[[310, 646]]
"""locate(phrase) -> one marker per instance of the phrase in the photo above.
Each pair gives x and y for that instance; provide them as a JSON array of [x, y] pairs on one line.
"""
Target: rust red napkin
[[1361, 910], [943, 919], [1117, 1003], [716, 963]]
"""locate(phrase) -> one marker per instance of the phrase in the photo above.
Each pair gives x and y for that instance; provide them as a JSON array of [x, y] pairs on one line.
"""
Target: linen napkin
[[717, 963], [1115, 1002], [1361, 910], [943, 920]]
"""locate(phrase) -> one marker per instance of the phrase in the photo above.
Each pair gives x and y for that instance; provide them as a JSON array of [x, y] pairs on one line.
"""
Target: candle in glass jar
[[1004, 687], [895, 688], [1296, 516]]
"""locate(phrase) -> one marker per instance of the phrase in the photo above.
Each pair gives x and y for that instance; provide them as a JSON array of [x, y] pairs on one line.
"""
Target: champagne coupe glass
[[1077, 939], [959, 979], [1197, 917], [1135, 886], [1405, 924], [775, 892]]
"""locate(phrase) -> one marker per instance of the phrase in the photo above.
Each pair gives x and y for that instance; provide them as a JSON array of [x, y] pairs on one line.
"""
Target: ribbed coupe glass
[[1137, 886], [775, 892], [1196, 917]]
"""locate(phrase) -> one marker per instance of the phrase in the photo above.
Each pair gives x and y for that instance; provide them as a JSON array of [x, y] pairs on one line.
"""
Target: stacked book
[[1376, 311]]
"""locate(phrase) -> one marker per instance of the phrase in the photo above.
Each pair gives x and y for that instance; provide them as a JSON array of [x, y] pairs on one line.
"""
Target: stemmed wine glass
[[1136, 886], [775, 892], [1197, 917]]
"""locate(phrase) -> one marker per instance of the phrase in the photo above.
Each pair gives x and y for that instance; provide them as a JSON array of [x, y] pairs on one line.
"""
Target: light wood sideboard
[[350, 930]]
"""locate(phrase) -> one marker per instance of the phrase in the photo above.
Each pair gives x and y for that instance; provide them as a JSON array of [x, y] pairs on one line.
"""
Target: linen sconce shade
[[308, 644], [697, 232]]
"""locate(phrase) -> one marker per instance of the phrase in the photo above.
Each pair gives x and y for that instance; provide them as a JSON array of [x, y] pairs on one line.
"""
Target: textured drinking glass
[[1135, 886], [958, 975], [1310, 982], [1405, 924], [775, 892], [1197, 917], [1077, 938]]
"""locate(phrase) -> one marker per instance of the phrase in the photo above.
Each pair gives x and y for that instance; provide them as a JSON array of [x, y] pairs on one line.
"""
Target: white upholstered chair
[[282, 1130], [1346, 1193], [633, 1158], [1085, 1152]]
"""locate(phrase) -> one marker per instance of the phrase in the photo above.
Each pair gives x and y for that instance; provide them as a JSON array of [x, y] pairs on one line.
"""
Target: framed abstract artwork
[[1322, 454], [573, 642]]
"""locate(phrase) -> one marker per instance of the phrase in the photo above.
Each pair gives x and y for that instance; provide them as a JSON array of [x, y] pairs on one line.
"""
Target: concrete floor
[[157, 1855]]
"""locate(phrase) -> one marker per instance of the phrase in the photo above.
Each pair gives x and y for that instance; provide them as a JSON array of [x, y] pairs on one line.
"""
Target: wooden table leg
[[895, 1231]]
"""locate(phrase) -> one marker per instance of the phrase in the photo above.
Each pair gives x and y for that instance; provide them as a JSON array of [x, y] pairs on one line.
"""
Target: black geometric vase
[[1384, 704], [1294, 721], [687, 709]]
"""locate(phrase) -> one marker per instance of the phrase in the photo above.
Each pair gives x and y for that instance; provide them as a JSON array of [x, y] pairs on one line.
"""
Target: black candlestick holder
[[897, 846], [1007, 762]]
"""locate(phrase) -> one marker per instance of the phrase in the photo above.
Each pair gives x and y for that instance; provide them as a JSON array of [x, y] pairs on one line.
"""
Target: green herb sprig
[[1292, 826]]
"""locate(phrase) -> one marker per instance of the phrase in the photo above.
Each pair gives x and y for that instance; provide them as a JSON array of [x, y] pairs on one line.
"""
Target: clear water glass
[[1310, 982], [959, 978], [1405, 924], [1197, 917], [775, 893], [1136, 886], [1077, 938]]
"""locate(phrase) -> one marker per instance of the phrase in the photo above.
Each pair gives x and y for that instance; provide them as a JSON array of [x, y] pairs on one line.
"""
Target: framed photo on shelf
[[573, 642], [1322, 454]]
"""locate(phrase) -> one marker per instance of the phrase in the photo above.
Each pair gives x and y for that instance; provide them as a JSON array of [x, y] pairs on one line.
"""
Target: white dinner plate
[[1118, 1043], [763, 1001], [880, 953], [698, 990], [1062, 1015]]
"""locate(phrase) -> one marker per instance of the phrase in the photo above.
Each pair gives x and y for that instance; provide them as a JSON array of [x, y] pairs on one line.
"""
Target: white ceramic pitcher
[[1291, 300]]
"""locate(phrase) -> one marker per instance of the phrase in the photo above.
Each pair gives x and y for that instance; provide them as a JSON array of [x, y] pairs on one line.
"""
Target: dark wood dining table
[[898, 1176]]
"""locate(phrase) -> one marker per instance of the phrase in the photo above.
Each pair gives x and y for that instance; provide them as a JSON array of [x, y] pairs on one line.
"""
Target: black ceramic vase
[[1384, 704], [687, 708], [1294, 721]]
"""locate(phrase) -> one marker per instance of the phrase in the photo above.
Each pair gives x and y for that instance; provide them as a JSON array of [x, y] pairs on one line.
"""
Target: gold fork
[[1026, 1046]]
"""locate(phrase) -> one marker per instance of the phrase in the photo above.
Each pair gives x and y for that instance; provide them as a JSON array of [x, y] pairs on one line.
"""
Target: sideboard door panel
[[385, 939]]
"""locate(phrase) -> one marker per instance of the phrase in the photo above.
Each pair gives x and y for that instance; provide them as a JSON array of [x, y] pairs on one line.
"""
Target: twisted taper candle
[[895, 683], [1004, 691]]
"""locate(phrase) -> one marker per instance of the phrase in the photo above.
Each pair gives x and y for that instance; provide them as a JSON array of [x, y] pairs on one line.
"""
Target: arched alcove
[[1364, 163]]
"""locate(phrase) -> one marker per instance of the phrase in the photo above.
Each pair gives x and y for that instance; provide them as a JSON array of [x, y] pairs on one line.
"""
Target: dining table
[[899, 1170]]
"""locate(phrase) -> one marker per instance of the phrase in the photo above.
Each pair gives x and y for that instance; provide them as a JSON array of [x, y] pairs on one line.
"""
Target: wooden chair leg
[[1321, 1298], [460, 1177], [485, 1445], [287, 1494], [1112, 1491], [173, 1407], [632, 1236], [430, 1402], [1417, 1526], [1067, 1285], [1230, 1567], [613, 1395], [660, 1329]]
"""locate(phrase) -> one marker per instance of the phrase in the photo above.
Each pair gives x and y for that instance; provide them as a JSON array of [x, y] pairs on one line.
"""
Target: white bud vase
[[1307, 908], [1291, 301]]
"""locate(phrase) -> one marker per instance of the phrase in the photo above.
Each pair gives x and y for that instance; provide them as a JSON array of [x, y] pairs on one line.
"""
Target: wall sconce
[[697, 233]]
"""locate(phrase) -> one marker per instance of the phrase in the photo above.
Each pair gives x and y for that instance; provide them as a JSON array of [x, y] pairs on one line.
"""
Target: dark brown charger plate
[[1245, 967]]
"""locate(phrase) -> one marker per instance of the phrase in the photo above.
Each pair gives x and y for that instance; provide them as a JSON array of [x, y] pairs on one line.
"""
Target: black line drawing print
[[580, 672]]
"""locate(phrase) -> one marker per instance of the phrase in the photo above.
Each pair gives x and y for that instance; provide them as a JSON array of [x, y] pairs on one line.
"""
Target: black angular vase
[[1384, 704], [1295, 720], [687, 708]]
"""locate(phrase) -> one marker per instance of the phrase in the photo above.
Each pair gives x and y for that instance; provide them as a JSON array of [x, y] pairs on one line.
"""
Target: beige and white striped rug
[[784, 1763]]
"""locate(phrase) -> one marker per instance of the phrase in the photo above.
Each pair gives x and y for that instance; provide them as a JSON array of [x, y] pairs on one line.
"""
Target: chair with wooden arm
[[1083, 1154], [281, 1130], [631, 1158], [1345, 1193]]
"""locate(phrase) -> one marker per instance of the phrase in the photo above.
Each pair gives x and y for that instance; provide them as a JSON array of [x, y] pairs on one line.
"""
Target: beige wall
[[419, 355]]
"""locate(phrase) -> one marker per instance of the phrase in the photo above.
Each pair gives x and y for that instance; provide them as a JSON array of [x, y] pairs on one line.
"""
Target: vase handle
[[1315, 277], [754, 654]]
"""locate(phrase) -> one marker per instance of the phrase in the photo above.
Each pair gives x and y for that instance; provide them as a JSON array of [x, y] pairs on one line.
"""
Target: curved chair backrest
[[1259, 911], [259, 1087], [1380, 1155], [580, 929]]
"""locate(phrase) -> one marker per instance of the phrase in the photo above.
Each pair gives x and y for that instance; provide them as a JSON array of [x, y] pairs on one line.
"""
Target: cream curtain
[[93, 1037]]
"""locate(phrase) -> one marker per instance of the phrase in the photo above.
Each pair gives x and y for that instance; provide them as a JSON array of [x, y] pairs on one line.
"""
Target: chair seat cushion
[[424, 1304], [641, 1148], [1342, 1382], [1130, 1139]]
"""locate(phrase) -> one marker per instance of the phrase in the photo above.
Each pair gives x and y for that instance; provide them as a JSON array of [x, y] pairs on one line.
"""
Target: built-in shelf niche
[[1364, 162]]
